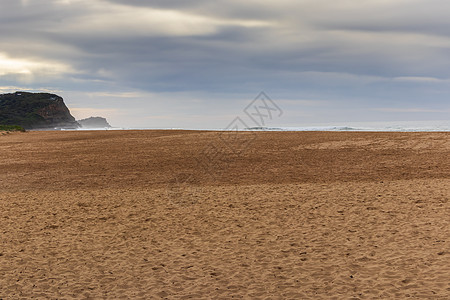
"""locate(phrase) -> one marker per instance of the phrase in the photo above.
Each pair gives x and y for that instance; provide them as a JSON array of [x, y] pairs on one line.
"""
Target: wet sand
[[214, 215]]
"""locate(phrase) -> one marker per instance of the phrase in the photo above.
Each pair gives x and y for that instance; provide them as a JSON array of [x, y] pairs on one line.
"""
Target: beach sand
[[221, 215]]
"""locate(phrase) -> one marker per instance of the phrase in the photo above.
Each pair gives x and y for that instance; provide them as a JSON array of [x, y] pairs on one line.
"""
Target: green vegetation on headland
[[21, 109], [11, 128], [35, 111]]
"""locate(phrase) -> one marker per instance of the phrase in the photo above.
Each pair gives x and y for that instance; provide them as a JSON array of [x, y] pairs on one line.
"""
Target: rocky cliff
[[94, 122], [35, 111]]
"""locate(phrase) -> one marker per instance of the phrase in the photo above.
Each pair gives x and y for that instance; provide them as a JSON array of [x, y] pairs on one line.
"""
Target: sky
[[199, 64]]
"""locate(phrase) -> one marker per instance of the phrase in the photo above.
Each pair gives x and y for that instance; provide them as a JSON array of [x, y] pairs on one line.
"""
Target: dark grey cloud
[[366, 54]]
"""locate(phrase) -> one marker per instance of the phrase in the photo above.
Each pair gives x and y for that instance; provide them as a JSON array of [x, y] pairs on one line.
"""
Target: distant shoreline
[[437, 130]]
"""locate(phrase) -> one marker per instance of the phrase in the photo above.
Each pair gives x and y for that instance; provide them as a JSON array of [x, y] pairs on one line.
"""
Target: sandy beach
[[219, 215]]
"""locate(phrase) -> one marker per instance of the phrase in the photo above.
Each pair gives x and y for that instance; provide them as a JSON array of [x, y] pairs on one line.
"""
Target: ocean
[[401, 126]]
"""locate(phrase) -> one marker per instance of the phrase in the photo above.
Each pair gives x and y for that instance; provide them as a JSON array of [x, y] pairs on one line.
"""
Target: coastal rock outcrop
[[35, 111], [94, 122]]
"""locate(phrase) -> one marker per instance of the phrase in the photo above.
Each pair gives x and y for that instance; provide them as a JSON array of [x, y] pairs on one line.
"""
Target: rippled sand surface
[[220, 215]]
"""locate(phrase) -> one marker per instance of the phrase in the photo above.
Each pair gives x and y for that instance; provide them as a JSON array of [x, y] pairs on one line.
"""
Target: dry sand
[[208, 215]]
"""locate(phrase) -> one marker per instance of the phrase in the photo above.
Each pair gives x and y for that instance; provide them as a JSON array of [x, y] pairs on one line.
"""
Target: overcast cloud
[[199, 63]]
